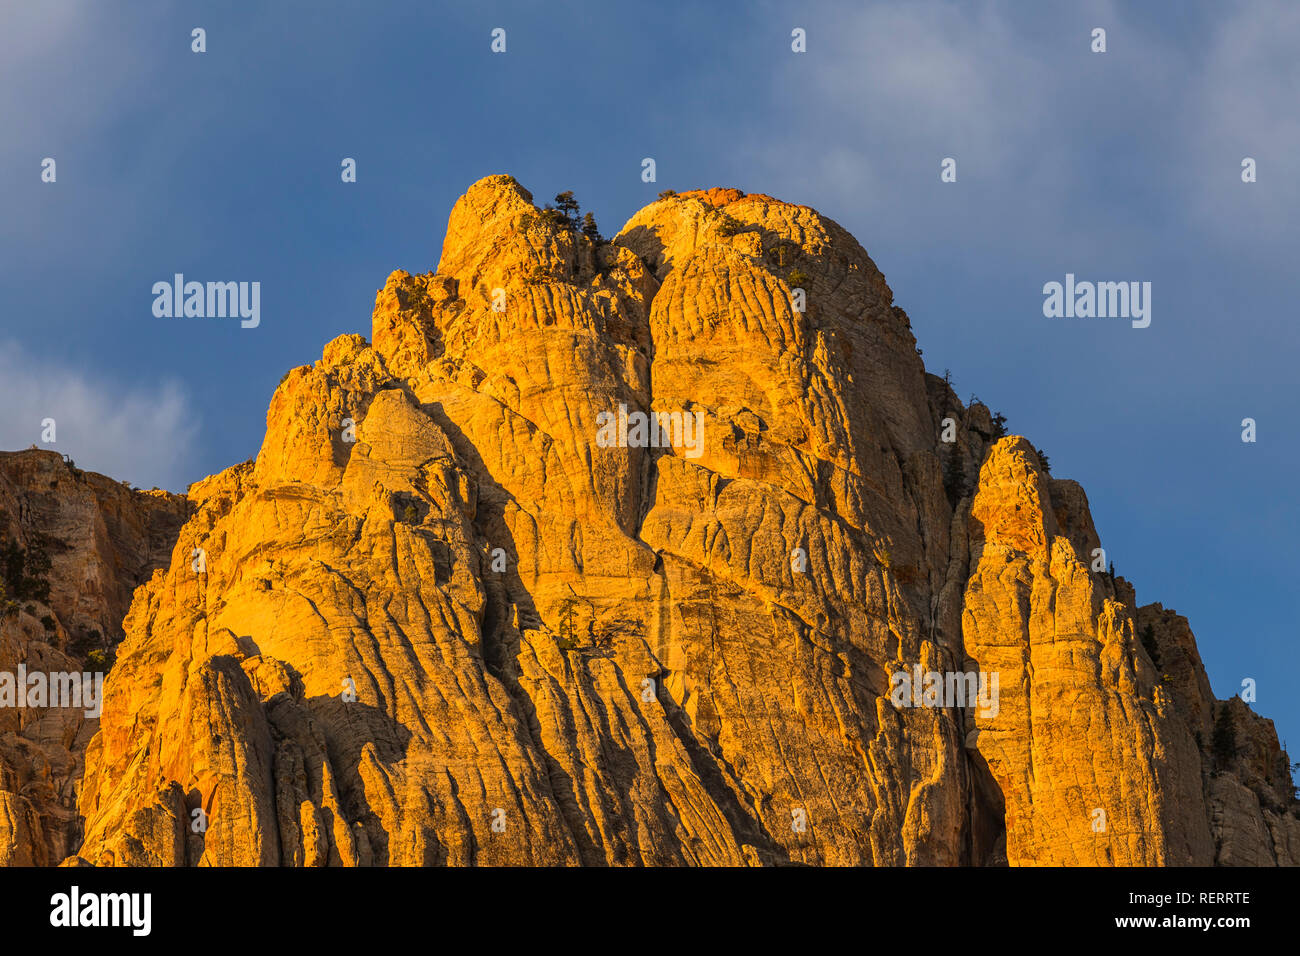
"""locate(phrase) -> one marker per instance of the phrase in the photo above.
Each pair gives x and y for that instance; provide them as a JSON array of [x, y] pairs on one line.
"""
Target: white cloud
[[1051, 140], [1243, 103], [141, 434], [888, 90]]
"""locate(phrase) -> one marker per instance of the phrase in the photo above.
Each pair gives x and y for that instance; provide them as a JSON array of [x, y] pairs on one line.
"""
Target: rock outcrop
[[613, 553], [73, 547], [1096, 766], [1246, 776]]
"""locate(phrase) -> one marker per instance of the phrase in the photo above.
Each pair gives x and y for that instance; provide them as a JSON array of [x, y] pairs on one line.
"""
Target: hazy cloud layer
[[1031, 115], [142, 434]]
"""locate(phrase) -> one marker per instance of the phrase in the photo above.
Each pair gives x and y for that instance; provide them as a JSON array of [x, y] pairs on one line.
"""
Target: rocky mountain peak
[[662, 549]]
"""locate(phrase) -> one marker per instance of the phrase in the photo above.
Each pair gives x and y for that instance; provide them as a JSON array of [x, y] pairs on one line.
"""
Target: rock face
[[1246, 780], [1095, 764], [101, 539], [464, 608]]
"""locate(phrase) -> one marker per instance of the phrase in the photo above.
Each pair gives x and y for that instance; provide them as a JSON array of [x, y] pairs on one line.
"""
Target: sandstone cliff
[[100, 540], [440, 620]]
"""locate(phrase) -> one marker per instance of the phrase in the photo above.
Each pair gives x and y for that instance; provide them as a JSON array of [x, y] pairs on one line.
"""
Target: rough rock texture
[[1095, 765], [1248, 792], [102, 539], [441, 620]]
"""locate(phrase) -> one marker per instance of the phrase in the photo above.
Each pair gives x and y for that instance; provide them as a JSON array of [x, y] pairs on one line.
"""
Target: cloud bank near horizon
[[143, 434]]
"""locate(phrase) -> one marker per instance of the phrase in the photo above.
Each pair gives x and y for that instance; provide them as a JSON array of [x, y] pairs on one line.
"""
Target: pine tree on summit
[[569, 207], [567, 214]]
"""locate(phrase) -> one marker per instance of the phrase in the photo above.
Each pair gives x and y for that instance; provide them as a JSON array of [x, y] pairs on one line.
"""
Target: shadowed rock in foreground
[[73, 547]]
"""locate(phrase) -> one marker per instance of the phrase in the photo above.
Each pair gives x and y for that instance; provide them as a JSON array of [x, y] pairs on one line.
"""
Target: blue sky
[[1116, 166]]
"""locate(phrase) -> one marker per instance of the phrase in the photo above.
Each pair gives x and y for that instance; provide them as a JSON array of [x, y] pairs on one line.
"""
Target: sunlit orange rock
[[441, 620]]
